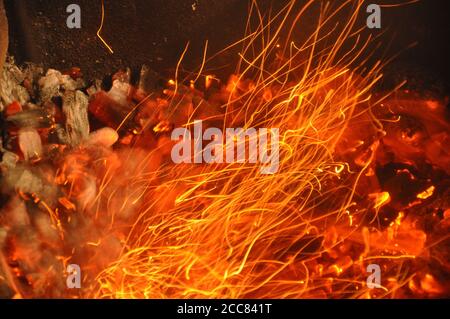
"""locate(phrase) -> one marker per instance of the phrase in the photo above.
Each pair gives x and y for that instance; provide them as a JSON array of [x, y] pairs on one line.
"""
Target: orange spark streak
[[100, 30]]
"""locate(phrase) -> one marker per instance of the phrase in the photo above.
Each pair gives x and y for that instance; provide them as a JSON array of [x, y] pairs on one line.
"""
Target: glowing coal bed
[[87, 179]]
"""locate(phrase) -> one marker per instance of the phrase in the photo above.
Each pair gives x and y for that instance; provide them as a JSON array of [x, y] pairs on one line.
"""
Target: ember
[[362, 178]]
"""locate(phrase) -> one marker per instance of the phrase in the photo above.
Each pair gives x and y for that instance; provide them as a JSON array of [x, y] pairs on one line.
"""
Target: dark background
[[155, 32]]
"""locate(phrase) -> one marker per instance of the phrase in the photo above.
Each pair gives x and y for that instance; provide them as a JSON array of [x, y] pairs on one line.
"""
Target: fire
[[141, 226], [426, 193]]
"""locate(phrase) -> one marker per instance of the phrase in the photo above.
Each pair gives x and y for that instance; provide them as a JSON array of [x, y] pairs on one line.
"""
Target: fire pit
[[94, 205]]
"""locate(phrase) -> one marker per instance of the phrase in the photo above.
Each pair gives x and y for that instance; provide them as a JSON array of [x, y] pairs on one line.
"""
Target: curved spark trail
[[100, 30]]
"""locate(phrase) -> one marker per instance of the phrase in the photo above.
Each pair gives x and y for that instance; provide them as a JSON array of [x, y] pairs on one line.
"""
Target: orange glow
[[426, 193], [148, 228]]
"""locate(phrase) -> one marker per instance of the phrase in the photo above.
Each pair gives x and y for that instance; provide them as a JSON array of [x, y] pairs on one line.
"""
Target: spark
[[227, 227], [225, 230], [426, 193], [100, 30]]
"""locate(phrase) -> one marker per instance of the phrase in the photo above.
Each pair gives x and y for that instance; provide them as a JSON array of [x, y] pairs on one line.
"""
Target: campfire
[[362, 181]]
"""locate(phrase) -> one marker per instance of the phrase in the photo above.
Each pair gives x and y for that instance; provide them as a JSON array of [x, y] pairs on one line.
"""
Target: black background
[[155, 32], [287, 308]]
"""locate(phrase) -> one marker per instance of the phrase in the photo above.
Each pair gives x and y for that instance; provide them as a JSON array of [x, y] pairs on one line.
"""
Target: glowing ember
[[362, 178]]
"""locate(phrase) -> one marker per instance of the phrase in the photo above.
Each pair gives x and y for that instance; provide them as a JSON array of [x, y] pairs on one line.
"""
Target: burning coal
[[87, 178]]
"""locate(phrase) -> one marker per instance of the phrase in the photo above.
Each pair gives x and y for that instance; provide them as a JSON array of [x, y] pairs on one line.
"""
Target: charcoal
[[75, 106], [17, 212], [30, 143], [50, 85], [61, 134], [31, 181], [11, 77], [31, 75], [95, 87], [105, 136], [35, 118], [15, 73], [45, 227], [54, 83], [149, 80], [123, 76], [9, 160], [121, 87], [107, 110]]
